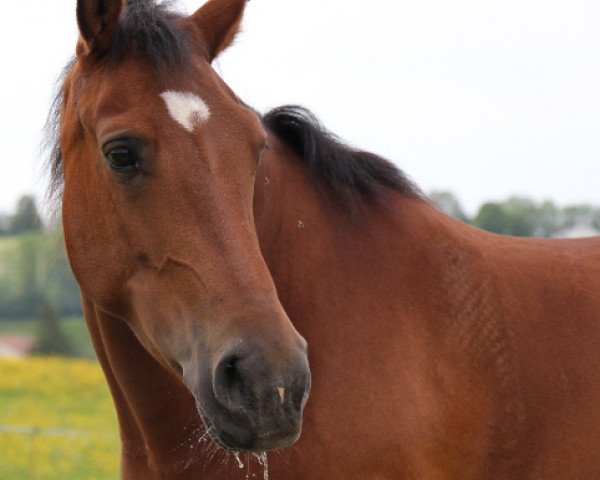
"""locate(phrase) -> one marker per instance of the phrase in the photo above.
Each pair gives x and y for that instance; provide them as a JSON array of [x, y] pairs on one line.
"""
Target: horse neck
[[389, 295], [331, 263], [158, 420]]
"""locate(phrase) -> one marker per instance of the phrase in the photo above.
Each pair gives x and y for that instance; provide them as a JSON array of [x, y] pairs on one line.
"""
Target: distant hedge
[[34, 270]]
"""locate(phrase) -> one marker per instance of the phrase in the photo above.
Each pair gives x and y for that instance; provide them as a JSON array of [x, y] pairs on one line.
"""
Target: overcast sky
[[487, 98]]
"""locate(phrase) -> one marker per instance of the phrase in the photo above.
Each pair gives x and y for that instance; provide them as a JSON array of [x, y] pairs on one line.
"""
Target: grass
[[57, 421], [7, 244], [74, 327]]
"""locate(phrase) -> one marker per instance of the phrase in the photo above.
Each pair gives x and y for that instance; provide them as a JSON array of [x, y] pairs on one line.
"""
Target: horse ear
[[98, 21], [219, 21]]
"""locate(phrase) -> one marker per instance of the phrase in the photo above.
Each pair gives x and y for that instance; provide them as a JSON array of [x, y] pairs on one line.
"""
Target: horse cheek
[[101, 271]]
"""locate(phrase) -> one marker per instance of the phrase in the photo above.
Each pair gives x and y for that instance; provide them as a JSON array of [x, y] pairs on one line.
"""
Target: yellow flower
[[57, 421]]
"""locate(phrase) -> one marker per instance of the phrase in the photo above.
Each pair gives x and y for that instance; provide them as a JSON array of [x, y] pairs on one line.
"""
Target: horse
[[265, 300]]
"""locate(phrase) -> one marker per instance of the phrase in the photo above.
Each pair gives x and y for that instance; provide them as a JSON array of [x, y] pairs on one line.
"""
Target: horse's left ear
[[97, 21], [219, 21]]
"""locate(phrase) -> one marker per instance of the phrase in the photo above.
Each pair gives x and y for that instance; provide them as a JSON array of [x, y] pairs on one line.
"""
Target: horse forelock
[[149, 30]]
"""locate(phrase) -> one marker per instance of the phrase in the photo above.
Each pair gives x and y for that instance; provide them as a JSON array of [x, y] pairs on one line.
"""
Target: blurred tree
[[26, 217], [523, 217], [575, 215], [51, 339], [448, 203], [21, 270], [493, 218], [548, 219], [596, 219], [4, 224], [34, 268], [521, 214], [60, 286]]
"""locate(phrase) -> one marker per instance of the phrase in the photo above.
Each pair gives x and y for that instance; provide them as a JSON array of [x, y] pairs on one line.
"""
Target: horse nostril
[[232, 376], [302, 390], [246, 382], [229, 384], [230, 370]]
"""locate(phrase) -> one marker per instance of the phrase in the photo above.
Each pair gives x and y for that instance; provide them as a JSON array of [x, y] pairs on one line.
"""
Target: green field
[[57, 421]]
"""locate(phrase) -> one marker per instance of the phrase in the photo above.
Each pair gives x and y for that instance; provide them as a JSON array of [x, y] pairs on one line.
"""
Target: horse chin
[[230, 436], [253, 442]]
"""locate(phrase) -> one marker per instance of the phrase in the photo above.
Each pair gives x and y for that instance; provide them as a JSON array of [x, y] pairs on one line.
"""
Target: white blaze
[[186, 108]]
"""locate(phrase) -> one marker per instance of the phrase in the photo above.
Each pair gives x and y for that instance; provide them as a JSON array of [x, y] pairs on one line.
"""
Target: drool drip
[[239, 460], [264, 461]]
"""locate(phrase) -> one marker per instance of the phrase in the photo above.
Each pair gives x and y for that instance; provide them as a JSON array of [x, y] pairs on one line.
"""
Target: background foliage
[[523, 217], [34, 270]]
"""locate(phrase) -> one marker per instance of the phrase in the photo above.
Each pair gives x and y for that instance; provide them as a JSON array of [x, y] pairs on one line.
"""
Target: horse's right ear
[[98, 21]]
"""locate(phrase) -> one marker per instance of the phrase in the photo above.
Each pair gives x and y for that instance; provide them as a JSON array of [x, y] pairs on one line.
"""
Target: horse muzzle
[[253, 399]]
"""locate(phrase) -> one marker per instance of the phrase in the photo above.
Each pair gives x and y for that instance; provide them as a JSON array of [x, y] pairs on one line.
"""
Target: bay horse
[[212, 245]]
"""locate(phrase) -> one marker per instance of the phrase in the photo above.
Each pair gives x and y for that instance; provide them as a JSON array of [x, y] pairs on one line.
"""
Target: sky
[[485, 98]]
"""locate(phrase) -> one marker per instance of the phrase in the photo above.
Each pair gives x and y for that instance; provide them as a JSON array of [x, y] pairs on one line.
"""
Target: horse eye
[[122, 160]]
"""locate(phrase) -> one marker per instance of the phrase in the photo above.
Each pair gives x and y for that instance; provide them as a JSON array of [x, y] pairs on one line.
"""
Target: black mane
[[343, 170]]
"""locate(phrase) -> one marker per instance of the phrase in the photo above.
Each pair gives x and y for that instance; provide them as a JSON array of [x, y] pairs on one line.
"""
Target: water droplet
[[239, 460]]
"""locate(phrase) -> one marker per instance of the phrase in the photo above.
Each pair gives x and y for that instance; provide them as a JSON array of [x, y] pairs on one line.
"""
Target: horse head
[[158, 159]]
